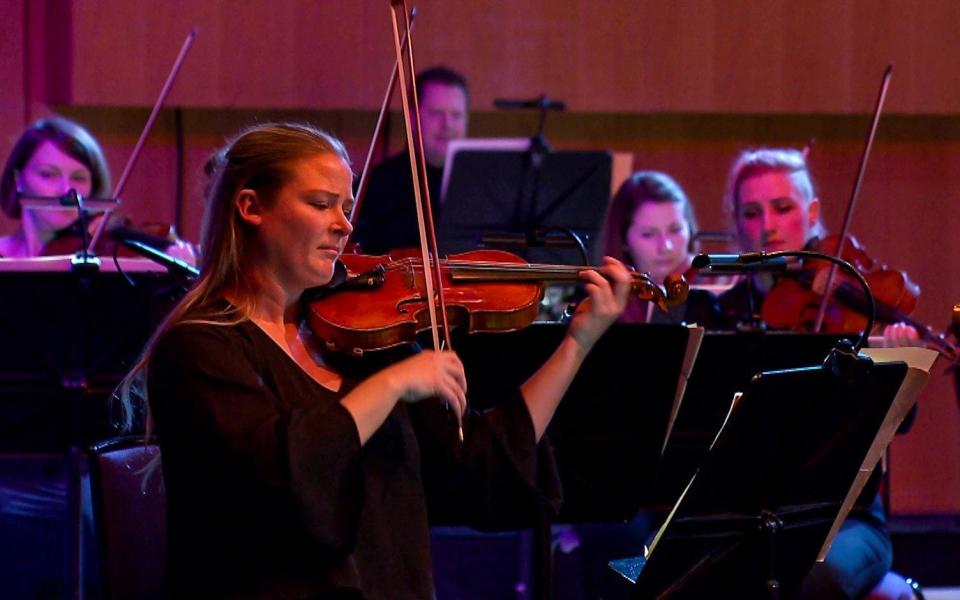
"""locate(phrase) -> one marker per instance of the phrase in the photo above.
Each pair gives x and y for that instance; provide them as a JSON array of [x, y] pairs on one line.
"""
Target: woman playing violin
[[771, 196], [50, 158], [771, 199], [651, 227], [287, 475]]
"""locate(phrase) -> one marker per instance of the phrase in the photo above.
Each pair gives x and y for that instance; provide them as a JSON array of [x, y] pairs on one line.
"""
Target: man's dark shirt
[[388, 215]]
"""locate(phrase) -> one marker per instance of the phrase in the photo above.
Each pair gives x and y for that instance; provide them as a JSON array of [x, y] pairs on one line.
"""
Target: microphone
[[542, 103], [174, 265], [748, 262]]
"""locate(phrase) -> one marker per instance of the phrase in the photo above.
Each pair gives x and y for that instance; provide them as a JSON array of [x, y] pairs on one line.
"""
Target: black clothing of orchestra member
[[862, 551], [700, 308], [740, 305], [388, 216], [270, 494]]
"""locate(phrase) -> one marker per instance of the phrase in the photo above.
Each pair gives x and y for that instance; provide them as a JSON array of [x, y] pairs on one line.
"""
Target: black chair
[[130, 516]]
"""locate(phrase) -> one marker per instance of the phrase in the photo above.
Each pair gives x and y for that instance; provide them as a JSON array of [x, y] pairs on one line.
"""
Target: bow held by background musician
[[52, 157]]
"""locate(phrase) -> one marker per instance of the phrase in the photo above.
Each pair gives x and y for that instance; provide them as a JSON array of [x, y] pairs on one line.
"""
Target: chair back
[[129, 511]]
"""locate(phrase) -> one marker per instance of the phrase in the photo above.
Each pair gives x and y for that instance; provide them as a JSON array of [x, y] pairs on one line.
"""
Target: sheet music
[[694, 339], [467, 144], [919, 362]]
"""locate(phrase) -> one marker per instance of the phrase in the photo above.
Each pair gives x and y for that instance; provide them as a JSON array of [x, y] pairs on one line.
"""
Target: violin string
[[465, 266]]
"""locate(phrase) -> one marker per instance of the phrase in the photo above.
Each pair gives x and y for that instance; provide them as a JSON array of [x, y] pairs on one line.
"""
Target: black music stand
[[69, 337], [774, 487], [610, 428], [521, 189], [725, 365]]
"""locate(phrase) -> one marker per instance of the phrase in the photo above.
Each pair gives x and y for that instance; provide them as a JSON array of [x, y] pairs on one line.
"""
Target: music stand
[[513, 187], [777, 482], [70, 336], [610, 428], [72, 201], [725, 365]]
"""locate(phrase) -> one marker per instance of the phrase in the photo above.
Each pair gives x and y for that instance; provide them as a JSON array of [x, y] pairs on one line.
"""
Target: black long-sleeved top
[[270, 494]]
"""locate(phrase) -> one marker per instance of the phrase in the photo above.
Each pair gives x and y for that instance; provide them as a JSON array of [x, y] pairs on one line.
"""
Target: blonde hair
[[261, 159], [760, 161]]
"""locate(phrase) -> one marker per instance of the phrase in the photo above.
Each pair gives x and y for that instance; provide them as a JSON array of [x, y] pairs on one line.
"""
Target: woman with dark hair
[[287, 476], [651, 226], [51, 157]]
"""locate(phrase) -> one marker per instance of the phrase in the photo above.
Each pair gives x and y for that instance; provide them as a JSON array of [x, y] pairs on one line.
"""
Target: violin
[[162, 236], [793, 303], [485, 291]]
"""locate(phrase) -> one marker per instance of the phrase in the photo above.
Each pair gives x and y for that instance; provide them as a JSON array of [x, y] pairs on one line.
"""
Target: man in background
[[388, 218]]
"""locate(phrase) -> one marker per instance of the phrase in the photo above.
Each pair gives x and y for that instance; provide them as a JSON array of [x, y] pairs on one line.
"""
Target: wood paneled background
[[683, 85]]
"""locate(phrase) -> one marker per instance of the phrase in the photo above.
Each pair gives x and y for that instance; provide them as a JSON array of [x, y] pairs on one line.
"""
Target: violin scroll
[[673, 293], [677, 288]]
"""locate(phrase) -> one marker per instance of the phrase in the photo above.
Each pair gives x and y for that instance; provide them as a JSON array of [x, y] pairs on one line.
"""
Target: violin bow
[[868, 145], [377, 132], [138, 148], [421, 191], [432, 276]]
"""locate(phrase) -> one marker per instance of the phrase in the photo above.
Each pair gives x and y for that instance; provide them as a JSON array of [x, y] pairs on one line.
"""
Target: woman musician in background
[[770, 195], [51, 157], [651, 226]]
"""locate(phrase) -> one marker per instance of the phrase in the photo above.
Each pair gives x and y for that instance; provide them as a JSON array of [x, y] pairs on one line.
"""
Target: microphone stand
[[539, 147], [76, 381], [536, 154], [84, 260], [845, 357], [182, 269]]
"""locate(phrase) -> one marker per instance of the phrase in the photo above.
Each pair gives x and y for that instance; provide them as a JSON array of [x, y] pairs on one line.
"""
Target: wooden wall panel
[[598, 55], [12, 93]]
